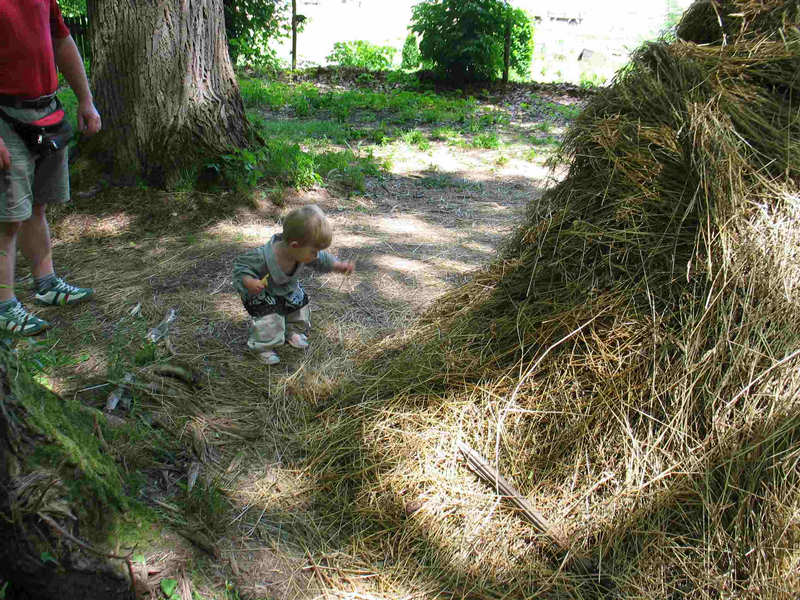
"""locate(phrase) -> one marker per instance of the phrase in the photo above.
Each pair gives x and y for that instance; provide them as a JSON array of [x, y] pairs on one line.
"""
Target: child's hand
[[254, 286], [345, 267]]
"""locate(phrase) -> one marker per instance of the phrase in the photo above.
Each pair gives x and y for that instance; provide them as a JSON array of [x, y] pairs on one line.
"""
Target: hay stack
[[631, 361]]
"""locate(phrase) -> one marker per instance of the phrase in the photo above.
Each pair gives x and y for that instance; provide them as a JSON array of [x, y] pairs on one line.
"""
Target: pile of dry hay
[[631, 360]]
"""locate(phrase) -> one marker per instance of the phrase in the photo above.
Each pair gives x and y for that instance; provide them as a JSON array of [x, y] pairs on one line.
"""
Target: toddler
[[267, 279]]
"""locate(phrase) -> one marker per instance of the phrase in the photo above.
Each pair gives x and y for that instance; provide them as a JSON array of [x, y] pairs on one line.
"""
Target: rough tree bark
[[164, 84]]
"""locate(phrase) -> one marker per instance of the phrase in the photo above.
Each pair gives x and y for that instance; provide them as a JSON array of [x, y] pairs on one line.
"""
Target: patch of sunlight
[[346, 239], [272, 489], [412, 228], [81, 226], [448, 264], [255, 231], [396, 263], [478, 247]]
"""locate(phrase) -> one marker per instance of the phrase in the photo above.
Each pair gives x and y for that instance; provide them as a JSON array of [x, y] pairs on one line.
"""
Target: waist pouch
[[44, 136], [263, 304]]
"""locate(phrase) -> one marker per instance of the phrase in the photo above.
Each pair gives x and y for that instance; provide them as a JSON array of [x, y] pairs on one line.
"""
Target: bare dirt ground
[[439, 214]]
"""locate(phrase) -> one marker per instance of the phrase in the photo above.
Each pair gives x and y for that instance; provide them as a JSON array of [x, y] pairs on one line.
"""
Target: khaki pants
[[271, 331]]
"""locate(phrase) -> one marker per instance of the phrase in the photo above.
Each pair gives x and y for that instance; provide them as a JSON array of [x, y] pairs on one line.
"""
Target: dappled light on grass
[[82, 226], [242, 430], [270, 489]]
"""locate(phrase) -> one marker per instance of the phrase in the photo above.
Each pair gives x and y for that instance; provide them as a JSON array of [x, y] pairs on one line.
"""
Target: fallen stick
[[481, 467]]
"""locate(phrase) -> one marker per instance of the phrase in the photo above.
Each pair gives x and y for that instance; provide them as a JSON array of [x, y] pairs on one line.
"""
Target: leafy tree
[[250, 25], [465, 39], [411, 56], [72, 8]]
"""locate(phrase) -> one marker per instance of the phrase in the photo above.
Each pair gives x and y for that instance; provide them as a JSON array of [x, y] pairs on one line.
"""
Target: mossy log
[[43, 555]]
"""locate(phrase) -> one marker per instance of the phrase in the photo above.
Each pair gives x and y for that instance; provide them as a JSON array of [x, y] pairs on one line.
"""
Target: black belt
[[18, 102]]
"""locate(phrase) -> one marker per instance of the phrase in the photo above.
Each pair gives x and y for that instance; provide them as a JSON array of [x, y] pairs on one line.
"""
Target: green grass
[[417, 138], [547, 140], [304, 131], [488, 141], [445, 134], [396, 106]]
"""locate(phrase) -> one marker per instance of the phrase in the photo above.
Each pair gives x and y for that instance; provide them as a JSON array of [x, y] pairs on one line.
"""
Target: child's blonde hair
[[307, 226]]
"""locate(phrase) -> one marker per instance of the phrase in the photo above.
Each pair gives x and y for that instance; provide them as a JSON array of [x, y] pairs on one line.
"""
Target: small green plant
[[365, 79], [502, 160], [590, 81], [169, 587], [362, 54], [494, 117], [444, 134], [530, 155], [487, 140], [416, 138], [231, 593], [569, 112], [3, 590], [548, 140]]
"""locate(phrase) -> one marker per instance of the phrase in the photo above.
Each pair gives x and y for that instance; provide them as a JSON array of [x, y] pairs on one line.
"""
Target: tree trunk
[[164, 84], [507, 51], [294, 35]]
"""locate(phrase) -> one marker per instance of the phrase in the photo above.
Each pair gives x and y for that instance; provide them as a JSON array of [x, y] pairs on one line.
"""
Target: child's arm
[[345, 267], [327, 262], [253, 285], [247, 270]]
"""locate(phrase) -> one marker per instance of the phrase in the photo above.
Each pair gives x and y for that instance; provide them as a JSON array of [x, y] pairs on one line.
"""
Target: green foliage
[[283, 161], [465, 39], [250, 26], [488, 141], [362, 55], [416, 138], [169, 587], [411, 55], [674, 13], [72, 8], [398, 105]]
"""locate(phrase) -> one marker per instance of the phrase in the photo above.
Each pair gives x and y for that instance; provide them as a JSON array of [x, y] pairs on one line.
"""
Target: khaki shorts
[[31, 179]]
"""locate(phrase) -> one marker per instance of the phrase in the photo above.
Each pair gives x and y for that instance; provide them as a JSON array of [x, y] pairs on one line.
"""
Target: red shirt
[[27, 30]]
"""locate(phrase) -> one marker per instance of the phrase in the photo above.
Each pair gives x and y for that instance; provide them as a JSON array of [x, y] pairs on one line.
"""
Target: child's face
[[304, 254]]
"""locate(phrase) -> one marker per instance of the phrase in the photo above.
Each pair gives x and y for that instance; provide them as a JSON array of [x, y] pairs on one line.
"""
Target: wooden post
[[507, 51], [294, 35]]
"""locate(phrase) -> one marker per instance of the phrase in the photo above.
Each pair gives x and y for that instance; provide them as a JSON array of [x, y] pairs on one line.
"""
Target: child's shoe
[[269, 357], [298, 340]]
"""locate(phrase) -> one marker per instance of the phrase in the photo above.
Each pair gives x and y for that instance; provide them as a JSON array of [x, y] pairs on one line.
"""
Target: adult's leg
[[8, 255], [34, 241]]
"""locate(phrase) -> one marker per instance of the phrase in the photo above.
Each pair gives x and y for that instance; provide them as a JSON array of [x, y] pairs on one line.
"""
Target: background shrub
[[411, 56], [362, 54], [464, 39]]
